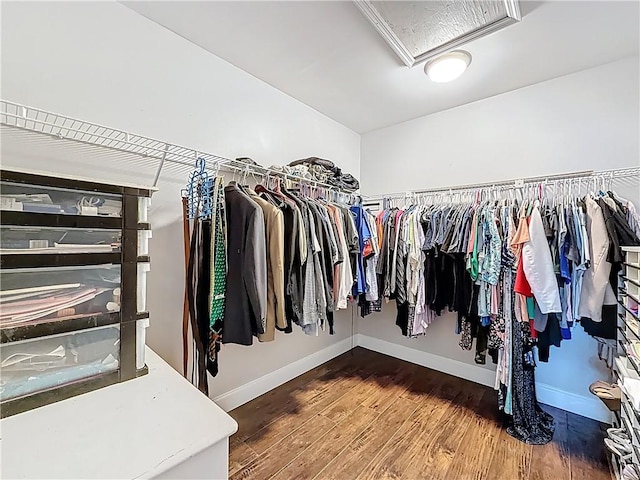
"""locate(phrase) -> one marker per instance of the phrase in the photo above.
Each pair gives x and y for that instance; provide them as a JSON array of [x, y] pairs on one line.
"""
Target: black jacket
[[246, 296]]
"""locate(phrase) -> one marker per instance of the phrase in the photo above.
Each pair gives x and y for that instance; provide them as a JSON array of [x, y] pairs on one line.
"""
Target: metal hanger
[[198, 191]]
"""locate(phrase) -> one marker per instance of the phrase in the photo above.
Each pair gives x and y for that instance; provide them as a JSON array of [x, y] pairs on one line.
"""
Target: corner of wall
[[579, 404], [253, 389]]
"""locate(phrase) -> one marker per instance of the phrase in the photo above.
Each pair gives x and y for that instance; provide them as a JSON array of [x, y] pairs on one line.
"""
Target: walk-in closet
[[317, 240]]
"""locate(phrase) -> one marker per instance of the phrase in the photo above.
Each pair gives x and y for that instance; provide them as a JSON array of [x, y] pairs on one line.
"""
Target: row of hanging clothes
[[520, 266], [265, 258]]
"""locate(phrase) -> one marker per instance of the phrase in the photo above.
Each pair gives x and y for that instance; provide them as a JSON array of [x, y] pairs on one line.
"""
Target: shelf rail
[[33, 119], [600, 179]]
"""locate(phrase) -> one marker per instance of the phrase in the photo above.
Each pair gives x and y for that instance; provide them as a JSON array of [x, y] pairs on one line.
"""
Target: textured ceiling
[[327, 54], [418, 31], [424, 26]]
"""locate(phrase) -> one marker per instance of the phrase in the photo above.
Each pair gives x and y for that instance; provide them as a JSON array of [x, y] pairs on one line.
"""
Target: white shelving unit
[[626, 366]]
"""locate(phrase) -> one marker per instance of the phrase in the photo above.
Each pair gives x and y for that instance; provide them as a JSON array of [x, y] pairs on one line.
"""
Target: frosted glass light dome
[[448, 67]]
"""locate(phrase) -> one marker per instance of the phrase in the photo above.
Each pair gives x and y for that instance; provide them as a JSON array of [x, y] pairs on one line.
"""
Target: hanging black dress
[[529, 423]]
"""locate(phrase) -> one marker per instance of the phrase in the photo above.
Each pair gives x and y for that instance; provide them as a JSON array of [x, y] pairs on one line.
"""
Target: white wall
[[587, 120], [105, 63]]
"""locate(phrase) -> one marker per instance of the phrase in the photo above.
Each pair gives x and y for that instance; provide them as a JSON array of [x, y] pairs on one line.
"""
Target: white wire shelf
[[18, 116], [579, 179]]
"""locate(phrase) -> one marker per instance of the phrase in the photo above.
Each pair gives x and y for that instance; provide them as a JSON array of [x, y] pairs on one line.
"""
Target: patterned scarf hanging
[[218, 274]]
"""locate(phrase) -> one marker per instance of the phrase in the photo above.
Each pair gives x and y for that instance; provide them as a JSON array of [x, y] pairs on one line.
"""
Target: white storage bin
[[141, 340], [143, 242], [143, 268], [143, 209]]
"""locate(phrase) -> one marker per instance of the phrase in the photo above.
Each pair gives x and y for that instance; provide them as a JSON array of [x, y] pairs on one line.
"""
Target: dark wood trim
[[54, 327], [129, 283], [68, 183], [127, 351], [10, 217], [45, 397], [130, 212], [41, 260], [129, 245]]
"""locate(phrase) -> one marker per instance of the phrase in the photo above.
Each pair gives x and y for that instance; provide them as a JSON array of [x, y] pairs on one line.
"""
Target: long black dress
[[529, 423]]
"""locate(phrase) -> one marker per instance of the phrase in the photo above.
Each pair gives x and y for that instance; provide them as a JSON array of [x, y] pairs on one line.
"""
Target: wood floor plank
[[422, 381], [277, 457], [512, 460], [369, 415], [260, 415], [588, 453], [347, 403], [308, 464], [390, 388], [266, 437], [474, 454], [240, 455], [434, 459], [410, 440], [553, 459], [336, 364], [370, 442]]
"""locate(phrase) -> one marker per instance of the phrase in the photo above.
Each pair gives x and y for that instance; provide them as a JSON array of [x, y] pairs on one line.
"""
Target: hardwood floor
[[364, 415]]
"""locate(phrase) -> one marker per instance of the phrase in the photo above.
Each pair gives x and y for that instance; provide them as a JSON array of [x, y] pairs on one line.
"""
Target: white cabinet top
[[135, 429]]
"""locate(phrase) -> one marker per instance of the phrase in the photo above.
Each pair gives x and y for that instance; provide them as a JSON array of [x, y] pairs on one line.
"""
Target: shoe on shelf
[[609, 393], [600, 384], [618, 435], [616, 430], [621, 448]]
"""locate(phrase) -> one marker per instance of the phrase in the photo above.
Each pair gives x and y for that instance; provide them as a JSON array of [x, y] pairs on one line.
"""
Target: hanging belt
[[195, 262], [185, 307]]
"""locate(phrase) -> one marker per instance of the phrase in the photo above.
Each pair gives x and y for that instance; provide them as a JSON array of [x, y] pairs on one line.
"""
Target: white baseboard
[[247, 392], [467, 371], [589, 407], [578, 404]]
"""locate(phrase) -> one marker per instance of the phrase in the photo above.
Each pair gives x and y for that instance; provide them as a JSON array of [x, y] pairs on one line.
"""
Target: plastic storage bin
[[73, 263], [44, 363], [21, 197], [35, 295], [20, 240]]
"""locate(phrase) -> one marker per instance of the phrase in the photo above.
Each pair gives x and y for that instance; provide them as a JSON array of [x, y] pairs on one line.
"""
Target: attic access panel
[[419, 31]]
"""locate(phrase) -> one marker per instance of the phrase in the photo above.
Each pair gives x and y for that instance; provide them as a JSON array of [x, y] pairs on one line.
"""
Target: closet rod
[[514, 183], [40, 121]]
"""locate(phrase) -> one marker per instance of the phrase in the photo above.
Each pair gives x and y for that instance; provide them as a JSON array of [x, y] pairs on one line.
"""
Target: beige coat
[[274, 228]]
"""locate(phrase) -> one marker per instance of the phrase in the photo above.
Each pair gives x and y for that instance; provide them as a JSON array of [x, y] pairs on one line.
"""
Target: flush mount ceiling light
[[448, 67]]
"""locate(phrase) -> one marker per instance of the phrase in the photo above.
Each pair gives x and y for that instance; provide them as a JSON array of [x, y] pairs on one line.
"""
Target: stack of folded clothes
[[325, 171], [314, 169]]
